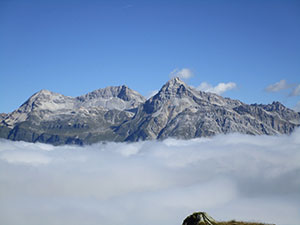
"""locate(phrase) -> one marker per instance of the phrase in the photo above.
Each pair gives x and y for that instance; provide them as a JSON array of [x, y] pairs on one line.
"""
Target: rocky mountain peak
[[44, 93], [122, 92], [176, 93], [127, 94], [173, 88], [121, 114], [173, 84], [175, 81], [277, 105], [113, 97], [39, 103], [46, 100]]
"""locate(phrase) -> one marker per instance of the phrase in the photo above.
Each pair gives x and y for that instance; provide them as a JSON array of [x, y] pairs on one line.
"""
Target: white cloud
[[184, 73], [281, 85], [296, 91], [219, 89], [154, 182]]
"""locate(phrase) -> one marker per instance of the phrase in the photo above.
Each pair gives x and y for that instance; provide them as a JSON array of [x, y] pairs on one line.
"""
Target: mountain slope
[[180, 111], [121, 114], [54, 118]]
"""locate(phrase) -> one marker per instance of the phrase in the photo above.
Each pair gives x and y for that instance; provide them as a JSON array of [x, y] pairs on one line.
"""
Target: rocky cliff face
[[120, 98], [121, 114], [183, 112], [53, 118]]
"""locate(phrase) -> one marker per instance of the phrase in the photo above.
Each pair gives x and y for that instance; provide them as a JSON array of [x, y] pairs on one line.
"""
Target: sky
[[241, 177], [247, 50]]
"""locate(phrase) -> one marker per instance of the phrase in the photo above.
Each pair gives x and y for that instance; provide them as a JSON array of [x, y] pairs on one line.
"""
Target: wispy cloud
[[281, 85], [218, 89], [295, 91], [229, 176], [184, 73]]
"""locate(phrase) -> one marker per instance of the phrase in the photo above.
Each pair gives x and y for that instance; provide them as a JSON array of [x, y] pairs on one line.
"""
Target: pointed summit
[[174, 94], [175, 81], [173, 88]]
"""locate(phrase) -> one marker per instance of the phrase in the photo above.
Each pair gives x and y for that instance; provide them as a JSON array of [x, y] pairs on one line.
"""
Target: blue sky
[[74, 47]]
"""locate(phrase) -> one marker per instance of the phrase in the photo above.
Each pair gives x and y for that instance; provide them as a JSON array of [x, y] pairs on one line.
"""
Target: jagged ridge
[[121, 114]]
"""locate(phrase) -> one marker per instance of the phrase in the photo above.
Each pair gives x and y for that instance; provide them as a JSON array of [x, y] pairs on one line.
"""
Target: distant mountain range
[[121, 114]]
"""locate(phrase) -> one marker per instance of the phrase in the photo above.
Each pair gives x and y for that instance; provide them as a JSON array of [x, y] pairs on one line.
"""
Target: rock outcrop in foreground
[[121, 114], [199, 218], [202, 218]]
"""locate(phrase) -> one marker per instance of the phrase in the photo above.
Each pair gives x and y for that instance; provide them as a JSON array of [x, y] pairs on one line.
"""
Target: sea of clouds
[[252, 178]]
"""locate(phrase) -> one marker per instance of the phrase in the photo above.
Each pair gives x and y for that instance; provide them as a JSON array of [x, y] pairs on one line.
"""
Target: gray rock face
[[182, 112], [57, 119], [121, 114], [2, 116], [120, 98]]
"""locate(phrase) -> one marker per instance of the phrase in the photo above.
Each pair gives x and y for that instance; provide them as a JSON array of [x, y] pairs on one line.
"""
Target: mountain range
[[121, 114]]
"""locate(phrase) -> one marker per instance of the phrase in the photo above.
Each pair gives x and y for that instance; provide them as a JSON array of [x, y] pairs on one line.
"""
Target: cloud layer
[[184, 73], [219, 89], [229, 176]]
